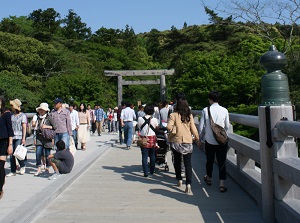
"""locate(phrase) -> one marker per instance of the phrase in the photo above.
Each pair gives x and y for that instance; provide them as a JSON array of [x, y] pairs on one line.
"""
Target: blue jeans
[[64, 137], [75, 137], [109, 125], [42, 151], [128, 133], [13, 165], [145, 153]]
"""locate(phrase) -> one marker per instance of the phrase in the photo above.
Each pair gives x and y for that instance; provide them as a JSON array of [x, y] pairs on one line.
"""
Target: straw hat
[[116, 108], [16, 104], [43, 106]]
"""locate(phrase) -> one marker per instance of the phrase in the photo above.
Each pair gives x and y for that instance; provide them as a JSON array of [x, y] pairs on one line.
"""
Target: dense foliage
[[43, 56]]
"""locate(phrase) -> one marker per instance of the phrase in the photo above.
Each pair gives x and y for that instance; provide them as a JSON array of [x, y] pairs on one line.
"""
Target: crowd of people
[[68, 125], [179, 122], [54, 131]]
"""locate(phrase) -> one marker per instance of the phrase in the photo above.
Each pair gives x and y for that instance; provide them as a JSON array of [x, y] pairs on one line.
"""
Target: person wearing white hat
[[43, 145], [19, 123]]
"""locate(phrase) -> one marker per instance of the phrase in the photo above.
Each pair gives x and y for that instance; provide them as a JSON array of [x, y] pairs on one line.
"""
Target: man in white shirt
[[127, 117], [164, 114], [219, 116], [75, 123]]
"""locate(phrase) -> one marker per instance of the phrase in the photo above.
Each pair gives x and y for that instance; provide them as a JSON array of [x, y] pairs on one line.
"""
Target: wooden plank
[[138, 72], [140, 82]]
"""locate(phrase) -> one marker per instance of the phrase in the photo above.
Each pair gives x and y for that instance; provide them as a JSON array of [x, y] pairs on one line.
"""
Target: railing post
[[275, 105]]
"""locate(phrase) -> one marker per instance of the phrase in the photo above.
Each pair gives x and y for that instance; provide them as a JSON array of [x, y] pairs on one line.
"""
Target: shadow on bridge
[[206, 203]]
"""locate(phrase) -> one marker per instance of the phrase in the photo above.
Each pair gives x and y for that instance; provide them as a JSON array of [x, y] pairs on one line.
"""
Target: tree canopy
[[43, 56]]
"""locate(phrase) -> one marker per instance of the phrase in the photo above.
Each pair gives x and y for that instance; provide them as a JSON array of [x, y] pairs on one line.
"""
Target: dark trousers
[[120, 132], [220, 153], [93, 127], [187, 160], [13, 164]]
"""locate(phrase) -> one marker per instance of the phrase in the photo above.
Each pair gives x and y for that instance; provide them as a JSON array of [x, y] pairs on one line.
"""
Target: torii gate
[[121, 73]]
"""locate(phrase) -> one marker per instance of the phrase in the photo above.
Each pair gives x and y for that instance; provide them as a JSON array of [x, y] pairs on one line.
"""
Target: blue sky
[[141, 15]]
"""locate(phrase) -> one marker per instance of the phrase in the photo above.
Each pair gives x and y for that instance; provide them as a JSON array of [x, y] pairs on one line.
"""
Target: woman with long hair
[[6, 139], [84, 126], [181, 124]]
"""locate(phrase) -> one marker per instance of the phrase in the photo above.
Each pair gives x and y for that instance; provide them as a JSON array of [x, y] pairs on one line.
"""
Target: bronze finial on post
[[274, 84]]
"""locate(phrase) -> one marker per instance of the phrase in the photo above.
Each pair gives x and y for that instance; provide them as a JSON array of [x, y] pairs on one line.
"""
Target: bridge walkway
[[113, 189], [107, 185]]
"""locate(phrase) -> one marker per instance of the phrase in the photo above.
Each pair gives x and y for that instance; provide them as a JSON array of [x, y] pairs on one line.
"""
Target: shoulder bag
[[219, 132], [48, 133]]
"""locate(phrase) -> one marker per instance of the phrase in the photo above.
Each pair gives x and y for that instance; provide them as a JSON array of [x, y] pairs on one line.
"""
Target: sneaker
[[54, 176], [22, 170], [128, 148], [11, 174]]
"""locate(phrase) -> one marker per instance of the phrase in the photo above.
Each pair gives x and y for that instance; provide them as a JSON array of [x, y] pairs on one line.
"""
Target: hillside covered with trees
[[43, 56]]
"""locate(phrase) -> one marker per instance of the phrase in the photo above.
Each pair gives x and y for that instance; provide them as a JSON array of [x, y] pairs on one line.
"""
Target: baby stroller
[[163, 148]]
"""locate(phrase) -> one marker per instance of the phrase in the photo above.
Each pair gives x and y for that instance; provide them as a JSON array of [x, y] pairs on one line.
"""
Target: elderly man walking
[[61, 117]]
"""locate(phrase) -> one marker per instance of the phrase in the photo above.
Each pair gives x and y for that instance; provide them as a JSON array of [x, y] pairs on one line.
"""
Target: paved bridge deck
[[107, 185]]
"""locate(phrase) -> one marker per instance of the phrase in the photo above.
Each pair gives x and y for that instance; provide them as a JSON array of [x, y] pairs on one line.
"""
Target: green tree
[[153, 45], [8, 25], [108, 37], [46, 23], [220, 29], [29, 55], [74, 28], [15, 85], [88, 88]]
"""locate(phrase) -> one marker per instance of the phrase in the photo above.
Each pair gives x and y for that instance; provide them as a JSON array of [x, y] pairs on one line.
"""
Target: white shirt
[[128, 114], [115, 117], [34, 119], [219, 116], [74, 119], [153, 122], [164, 114]]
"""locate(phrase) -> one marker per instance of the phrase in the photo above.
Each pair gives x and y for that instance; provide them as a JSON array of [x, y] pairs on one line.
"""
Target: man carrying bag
[[214, 115]]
